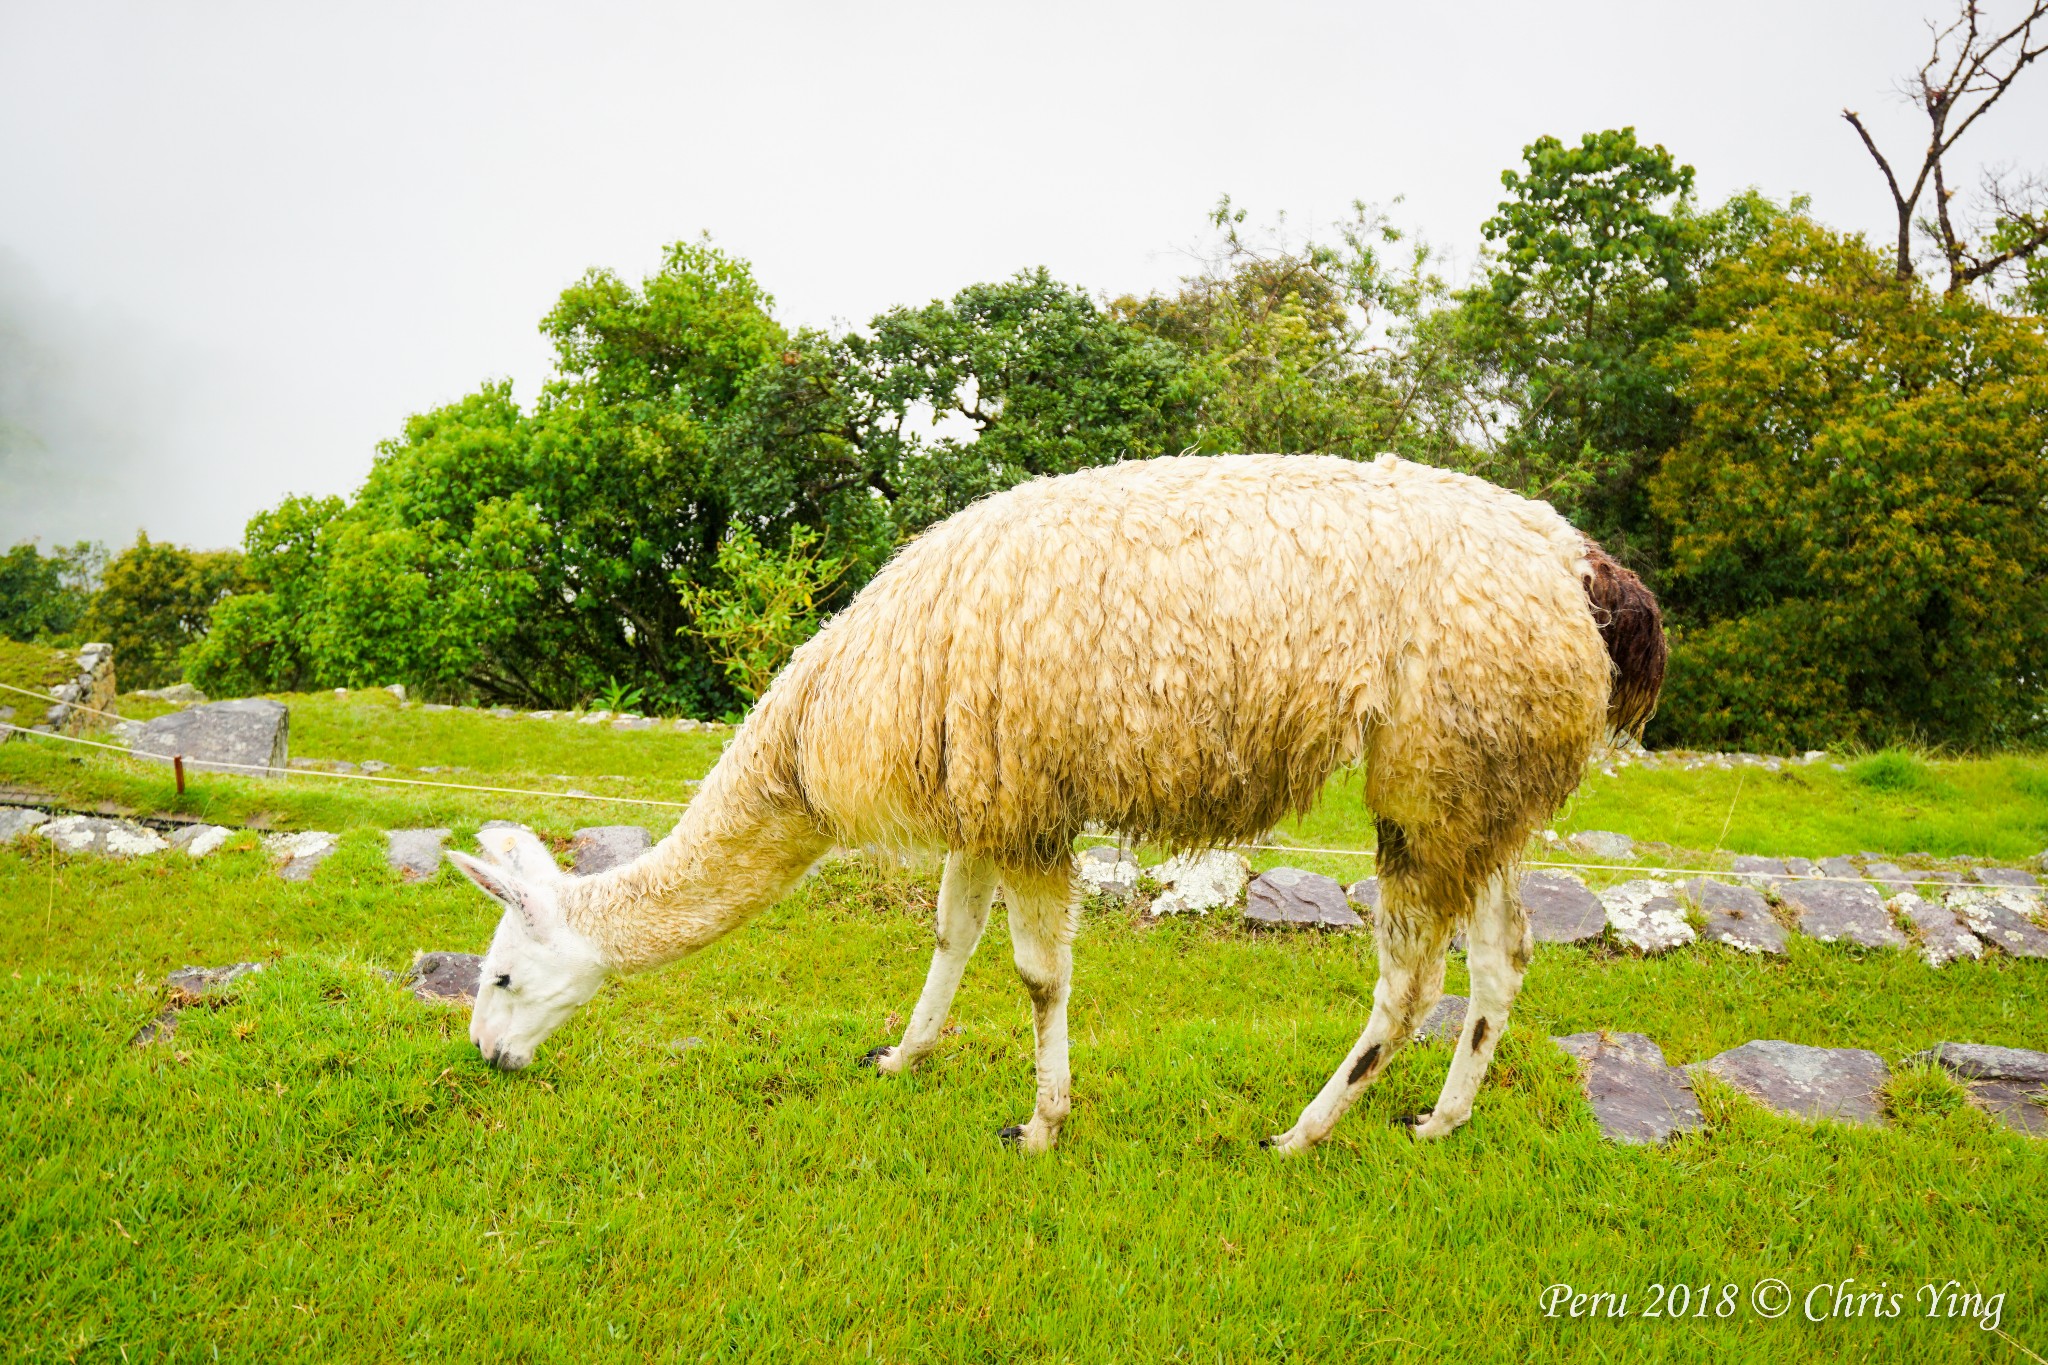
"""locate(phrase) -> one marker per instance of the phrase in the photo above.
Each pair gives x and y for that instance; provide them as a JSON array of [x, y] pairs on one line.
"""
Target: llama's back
[[1184, 649]]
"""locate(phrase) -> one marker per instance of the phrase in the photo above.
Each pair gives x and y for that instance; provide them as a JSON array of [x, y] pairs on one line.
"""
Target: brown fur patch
[[1479, 1033], [1632, 628]]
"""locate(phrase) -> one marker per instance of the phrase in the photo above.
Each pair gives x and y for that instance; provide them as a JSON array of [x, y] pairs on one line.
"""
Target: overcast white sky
[[239, 243]]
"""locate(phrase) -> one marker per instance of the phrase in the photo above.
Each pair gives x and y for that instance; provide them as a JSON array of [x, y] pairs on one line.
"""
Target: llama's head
[[539, 968]]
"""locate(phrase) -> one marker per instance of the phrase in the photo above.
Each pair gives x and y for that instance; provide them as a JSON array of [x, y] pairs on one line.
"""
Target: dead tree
[[1968, 71]]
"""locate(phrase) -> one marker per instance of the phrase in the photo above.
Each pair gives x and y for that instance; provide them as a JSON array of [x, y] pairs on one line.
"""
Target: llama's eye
[[505, 981]]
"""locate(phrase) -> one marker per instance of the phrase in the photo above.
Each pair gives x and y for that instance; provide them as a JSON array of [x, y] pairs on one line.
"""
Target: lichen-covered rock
[[1943, 938], [200, 841], [1738, 916], [1840, 1083], [1561, 909], [2002, 917], [1840, 912], [251, 737], [1197, 883], [445, 978], [1646, 915], [1636, 1097], [1107, 870], [16, 821], [1604, 843], [106, 837], [600, 848], [414, 854], [1444, 1022], [298, 854]]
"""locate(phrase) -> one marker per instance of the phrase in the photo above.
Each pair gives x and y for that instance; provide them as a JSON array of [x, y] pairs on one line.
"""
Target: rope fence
[[1103, 840]]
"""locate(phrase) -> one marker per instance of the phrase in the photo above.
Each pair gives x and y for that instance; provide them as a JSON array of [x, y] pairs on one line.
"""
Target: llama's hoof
[[1429, 1127], [1283, 1144], [1012, 1136], [875, 1056]]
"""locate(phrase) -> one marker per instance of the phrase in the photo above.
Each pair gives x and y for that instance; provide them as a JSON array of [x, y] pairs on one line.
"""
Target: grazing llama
[[1179, 650]]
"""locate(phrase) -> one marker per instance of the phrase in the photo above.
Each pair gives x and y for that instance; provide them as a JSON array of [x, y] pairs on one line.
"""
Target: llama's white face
[[538, 969]]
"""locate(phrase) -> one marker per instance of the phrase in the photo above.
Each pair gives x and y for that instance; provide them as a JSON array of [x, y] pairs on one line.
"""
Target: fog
[[240, 243]]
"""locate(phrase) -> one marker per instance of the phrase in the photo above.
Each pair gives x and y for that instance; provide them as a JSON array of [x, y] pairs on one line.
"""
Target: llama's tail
[[1633, 630]]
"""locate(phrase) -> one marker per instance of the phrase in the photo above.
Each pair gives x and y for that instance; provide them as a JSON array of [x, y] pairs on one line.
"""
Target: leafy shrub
[[155, 601], [764, 605], [45, 597]]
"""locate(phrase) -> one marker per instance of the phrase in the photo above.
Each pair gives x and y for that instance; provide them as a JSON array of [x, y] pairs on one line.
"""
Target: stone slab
[[250, 734], [1604, 843], [1890, 877], [1800, 867], [1107, 870], [600, 848], [196, 985], [1561, 909], [298, 854], [100, 835], [1840, 867], [1840, 912], [415, 854], [1636, 1097], [2001, 917], [1647, 915], [200, 841], [2007, 876], [1196, 883], [1444, 1022], [1738, 916], [1984, 1062], [445, 978], [16, 821], [1291, 896], [1839, 1083], [1364, 895], [2020, 1105], [1749, 862], [1943, 937]]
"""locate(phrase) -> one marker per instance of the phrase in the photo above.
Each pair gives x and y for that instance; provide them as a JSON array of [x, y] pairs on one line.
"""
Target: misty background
[[240, 243]]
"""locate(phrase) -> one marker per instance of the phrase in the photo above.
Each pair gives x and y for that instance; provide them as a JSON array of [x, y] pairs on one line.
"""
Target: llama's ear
[[507, 888]]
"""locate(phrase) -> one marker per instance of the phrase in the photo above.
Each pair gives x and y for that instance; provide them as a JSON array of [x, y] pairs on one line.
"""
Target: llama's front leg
[[1410, 982], [1042, 940], [965, 891], [1498, 955]]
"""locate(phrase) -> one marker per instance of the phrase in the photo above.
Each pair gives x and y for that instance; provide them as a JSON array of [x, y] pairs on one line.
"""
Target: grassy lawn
[[695, 1169]]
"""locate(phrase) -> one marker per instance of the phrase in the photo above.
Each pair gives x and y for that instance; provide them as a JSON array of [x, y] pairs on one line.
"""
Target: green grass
[[35, 667], [324, 1169]]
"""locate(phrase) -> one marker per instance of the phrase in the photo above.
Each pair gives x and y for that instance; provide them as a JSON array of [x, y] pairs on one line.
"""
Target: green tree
[[764, 604], [1595, 259], [1857, 543], [154, 602], [45, 597]]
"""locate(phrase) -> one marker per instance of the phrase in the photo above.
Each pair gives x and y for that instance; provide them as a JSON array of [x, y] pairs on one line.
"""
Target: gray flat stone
[[503, 712], [1749, 862], [2001, 916], [1290, 896], [1198, 882], [298, 854], [1647, 915], [2007, 876], [1561, 909], [1807, 1082], [248, 734], [1364, 895], [1604, 843], [1738, 916], [1943, 937], [1444, 1022], [1107, 870], [200, 841], [100, 835], [1983, 1062], [16, 821], [2020, 1105], [1890, 877], [415, 854], [1839, 867], [1840, 912], [1636, 1098], [633, 723], [445, 978], [600, 848], [194, 985], [1800, 867]]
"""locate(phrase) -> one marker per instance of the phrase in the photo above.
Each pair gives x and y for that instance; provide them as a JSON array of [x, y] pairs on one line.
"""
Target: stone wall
[[91, 687]]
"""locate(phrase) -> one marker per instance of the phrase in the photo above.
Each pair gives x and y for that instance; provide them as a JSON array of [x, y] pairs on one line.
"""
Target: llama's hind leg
[[1042, 940], [1498, 954], [965, 891], [1411, 951]]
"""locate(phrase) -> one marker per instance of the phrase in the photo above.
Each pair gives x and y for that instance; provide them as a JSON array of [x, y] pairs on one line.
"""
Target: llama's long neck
[[741, 844]]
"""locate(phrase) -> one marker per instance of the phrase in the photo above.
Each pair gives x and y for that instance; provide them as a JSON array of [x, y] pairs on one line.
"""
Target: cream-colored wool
[[1182, 650]]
